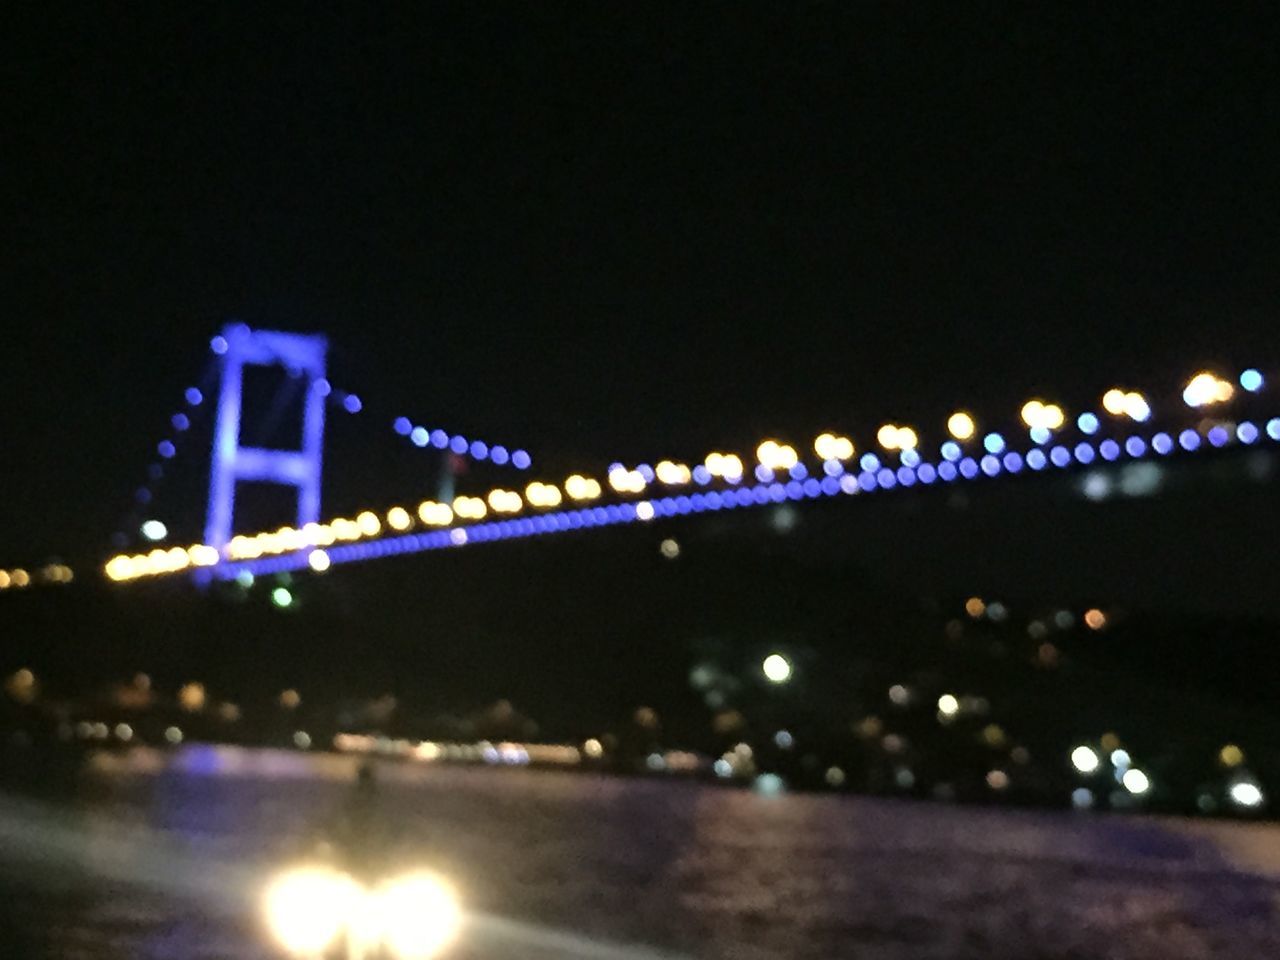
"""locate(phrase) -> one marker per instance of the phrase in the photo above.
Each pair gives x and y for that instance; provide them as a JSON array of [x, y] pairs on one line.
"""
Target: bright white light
[[948, 705], [644, 510], [1135, 781], [308, 907], [1084, 759], [154, 530], [419, 916], [318, 560], [1246, 794], [777, 668], [1120, 758]]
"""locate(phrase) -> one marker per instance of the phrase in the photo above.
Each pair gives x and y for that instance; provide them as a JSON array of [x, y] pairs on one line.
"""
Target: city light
[[776, 456], [1246, 793], [281, 597], [1095, 619], [1084, 759], [1039, 415], [1205, 389], [154, 530], [1135, 781], [672, 474], [777, 668], [832, 447], [1113, 401], [398, 518], [961, 425], [318, 560], [579, 487], [1251, 380], [948, 705]]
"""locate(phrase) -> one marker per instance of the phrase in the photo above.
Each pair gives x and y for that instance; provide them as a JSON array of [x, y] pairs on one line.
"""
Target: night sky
[[625, 232]]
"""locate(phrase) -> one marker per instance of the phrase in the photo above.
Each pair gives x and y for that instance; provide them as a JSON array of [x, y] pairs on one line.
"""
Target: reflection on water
[[160, 856]]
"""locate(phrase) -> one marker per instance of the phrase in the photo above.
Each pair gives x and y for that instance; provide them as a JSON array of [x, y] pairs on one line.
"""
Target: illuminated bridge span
[[1213, 412]]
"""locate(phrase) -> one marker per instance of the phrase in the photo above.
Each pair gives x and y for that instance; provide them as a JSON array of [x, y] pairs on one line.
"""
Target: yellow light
[[1205, 388], [418, 916], [975, 607], [1113, 401], [776, 668], [776, 456], [191, 697], [626, 481], [887, 436], [907, 439], [505, 501], [398, 518], [1136, 407], [307, 908], [1231, 755], [344, 529], [368, 523], [318, 560], [579, 487], [1031, 412], [435, 514], [1095, 619], [203, 555], [960, 425], [828, 446], [4, 577], [19, 577], [672, 474], [542, 494], [118, 568], [1052, 417], [469, 508], [948, 705]]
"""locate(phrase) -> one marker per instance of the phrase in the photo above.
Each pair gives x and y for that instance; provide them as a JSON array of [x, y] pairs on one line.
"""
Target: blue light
[[351, 403], [1084, 452], [155, 471], [795, 490], [763, 473], [1040, 435], [776, 492], [646, 472], [1247, 432], [218, 345], [402, 426], [1036, 459], [830, 486], [885, 478], [180, 421], [798, 472], [947, 471], [458, 443], [951, 451], [1012, 461], [166, 449], [479, 449], [194, 397], [701, 475], [520, 460], [869, 462], [848, 484], [927, 473], [1060, 456], [990, 465], [1109, 449], [499, 455], [419, 437], [832, 468], [714, 500], [968, 468], [1273, 428], [1251, 380], [1161, 443], [910, 458], [439, 439], [1218, 436], [323, 388], [1088, 423], [906, 476], [866, 481], [1135, 446], [1189, 439], [142, 495], [993, 443]]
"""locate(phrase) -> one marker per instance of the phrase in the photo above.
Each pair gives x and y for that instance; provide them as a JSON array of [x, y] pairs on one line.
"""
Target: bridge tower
[[302, 355]]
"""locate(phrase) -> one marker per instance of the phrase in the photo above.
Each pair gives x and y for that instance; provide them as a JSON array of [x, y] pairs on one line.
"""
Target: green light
[[245, 579], [281, 597]]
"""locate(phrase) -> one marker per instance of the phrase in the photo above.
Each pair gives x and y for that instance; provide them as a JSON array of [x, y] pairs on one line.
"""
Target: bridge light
[[1251, 380], [776, 456], [120, 568], [469, 508], [368, 523], [579, 487], [960, 425], [1031, 413], [281, 597], [398, 518], [318, 560], [1204, 389], [672, 474], [1113, 401], [203, 555], [829, 446], [1136, 407], [435, 514]]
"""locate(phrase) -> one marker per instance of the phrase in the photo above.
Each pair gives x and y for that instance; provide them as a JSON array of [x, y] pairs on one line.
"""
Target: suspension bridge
[[1208, 412]]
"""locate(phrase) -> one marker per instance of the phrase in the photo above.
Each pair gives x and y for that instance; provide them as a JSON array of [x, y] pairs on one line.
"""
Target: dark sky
[[619, 230]]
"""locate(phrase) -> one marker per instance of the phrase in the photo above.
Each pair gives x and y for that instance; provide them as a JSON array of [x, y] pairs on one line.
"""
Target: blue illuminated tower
[[300, 354]]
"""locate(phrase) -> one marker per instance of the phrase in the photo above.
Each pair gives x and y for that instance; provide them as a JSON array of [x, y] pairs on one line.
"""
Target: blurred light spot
[[1084, 759], [777, 668], [783, 740], [997, 780], [1251, 380], [302, 740], [1082, 798], [318, 561], [351, 403], [1095, 619], [1231, 755], [154, 530], [960, 425], [1135, 781], [281, 597], [948, 705], [669, 548], [1088, 423], [1246, 793], [834, 777], [173, 734]]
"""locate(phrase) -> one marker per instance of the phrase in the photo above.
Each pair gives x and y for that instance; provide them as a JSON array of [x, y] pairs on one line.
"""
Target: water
[[155, 858]]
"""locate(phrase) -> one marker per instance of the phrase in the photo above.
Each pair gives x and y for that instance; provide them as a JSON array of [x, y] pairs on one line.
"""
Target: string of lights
[[780, 474], [19, 578], [440, 439]]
